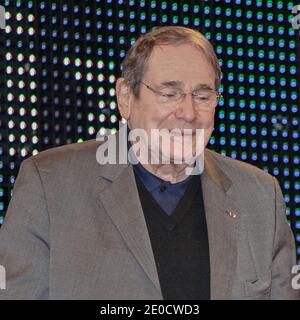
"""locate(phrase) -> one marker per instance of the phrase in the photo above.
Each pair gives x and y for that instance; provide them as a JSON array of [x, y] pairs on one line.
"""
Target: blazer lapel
[[121, 200], [222, 216]]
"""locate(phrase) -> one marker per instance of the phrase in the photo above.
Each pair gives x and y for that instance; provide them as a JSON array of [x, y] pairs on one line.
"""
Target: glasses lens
[[205, 100], [169, 95]]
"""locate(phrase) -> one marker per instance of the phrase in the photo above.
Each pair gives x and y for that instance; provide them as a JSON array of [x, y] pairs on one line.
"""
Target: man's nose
[[185, 108]]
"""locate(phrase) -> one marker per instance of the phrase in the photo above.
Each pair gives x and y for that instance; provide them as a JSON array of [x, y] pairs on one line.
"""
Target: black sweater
[[179, 243]]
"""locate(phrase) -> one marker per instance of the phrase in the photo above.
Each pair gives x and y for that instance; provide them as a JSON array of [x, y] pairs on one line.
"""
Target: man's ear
[[123, 97]]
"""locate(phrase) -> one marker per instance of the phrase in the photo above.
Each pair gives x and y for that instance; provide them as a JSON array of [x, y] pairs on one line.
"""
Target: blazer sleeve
[[24, 238], [284, 253]]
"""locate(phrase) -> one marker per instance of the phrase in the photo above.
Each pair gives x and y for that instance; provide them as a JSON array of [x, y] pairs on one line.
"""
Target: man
[[76, 229]]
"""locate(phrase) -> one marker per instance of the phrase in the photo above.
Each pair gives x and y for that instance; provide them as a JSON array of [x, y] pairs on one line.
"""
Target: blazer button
[[162, 187]]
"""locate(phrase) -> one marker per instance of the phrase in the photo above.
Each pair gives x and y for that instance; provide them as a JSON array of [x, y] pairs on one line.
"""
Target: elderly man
[[77, 229]]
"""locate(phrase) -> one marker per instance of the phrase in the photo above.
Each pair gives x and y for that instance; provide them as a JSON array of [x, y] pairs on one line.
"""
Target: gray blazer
[[76, 230]]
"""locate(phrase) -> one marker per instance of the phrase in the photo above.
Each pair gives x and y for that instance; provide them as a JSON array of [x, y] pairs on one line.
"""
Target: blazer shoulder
[[238, 170], [68, 155]]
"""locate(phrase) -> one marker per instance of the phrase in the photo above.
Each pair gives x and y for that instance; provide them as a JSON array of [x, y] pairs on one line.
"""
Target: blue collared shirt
[[166, 194]]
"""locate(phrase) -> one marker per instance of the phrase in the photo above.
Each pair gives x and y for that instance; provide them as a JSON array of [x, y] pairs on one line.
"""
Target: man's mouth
[[182, 132]]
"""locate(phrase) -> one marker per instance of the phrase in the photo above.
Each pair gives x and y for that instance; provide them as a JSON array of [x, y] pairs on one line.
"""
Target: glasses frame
[[183, 94]]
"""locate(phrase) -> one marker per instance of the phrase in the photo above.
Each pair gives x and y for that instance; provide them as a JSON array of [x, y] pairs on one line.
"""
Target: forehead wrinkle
[[179, 84], [163, 66]]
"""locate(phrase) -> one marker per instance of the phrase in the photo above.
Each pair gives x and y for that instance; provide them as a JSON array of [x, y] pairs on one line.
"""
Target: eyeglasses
[[204, 99]]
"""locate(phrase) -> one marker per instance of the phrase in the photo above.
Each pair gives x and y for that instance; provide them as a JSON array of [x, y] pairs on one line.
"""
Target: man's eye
[[169, 94], [201, 97]]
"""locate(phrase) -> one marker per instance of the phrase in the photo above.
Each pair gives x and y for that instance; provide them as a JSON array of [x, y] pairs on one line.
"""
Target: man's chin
[[179, 159]]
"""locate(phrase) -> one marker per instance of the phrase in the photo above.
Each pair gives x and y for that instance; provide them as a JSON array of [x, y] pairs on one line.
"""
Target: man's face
[[188, 66]]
